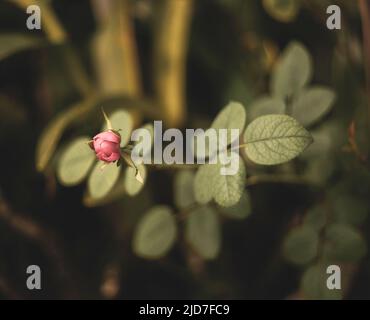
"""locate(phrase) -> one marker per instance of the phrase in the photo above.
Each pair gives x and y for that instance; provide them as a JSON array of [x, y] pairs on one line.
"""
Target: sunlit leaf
[[121, 121], [228, 189], [11, 43], [282, 10], [293, 72], [265, 105], [241, 210], [184, 189], [155, 233], [274, 139], [233, 116], [102, 179], [343, 244], [203, 232], [132, 185], [300, 245], [313, 284], [312, 104], [75, 162], [202, 181]]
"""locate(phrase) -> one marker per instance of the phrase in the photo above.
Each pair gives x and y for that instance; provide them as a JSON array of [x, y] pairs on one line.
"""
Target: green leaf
[[300, 245], [313, 284], [52, 133], [275, 139], [312, 104], [202, 181], [184, 189], [233, 116], [241, 210], [228, 189], [343, 243], [282, 10], [11, 43], [203, 232], [155, 233], [132, 185], [349, 209], [75, 162], [102, 179], [315, 218], [210, 184], [293, 72], [121, 121], [266, 105]]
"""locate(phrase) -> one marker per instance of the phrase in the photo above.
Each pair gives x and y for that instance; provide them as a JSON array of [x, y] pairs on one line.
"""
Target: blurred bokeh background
[[180, 61]]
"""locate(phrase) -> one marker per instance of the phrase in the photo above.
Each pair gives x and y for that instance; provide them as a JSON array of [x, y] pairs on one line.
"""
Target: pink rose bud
[[107, 146]]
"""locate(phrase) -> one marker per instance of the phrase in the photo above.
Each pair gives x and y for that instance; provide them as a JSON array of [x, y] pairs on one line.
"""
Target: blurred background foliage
[[180, 61]]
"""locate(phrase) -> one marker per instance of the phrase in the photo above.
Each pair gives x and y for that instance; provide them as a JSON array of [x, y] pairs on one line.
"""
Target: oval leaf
[[301, 244], [184, 189], [275, 139], [343, 244], [102, 179], [233, 116], [75, 162], [155, 233], [313, 284], [228, 189], [132, 185], [203, 232], [202, 181], [121, 121], [312, 104], [266, 105], [241, 210], [293, 72]]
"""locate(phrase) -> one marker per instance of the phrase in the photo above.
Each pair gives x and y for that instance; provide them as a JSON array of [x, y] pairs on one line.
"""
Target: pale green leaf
[[233, 116], [184, 189], [228, 189], [343, 243], [155, 233], [75, 162], [282, 10], [202, 182], [275, 139], [293, 72], [11, 43], [241, 210], [300, 245], [132, 185], [312, 104], [313, 284], [265, 105], [203, 232], [102, 179], [121, 121]]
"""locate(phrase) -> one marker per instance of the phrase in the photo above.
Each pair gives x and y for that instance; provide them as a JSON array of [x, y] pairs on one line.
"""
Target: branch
[[171, 41]]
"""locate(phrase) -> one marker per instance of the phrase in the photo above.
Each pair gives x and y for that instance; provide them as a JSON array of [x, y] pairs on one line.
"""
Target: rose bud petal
[[107, 146]]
